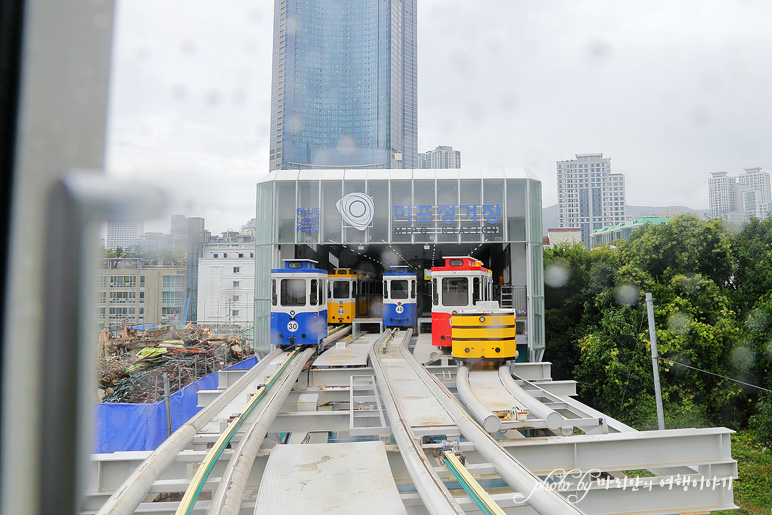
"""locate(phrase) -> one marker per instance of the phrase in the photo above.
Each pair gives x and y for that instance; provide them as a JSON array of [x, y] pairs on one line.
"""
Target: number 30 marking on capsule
[[292, 326]]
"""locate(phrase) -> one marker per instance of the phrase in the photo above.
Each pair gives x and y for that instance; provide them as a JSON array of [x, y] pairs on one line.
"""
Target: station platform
[[340, 478], [347, 354], [422, 410]]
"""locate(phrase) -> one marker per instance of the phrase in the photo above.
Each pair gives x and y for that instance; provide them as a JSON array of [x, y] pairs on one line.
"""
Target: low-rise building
[[622, 231], [568, 235], [131, 293], [226, 283]]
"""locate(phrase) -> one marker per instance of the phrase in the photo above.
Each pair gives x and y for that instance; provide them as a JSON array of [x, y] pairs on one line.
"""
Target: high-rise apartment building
[[589, 196], [121, 234], [739, 198], [440, 157], [344, 84], [196, 240]]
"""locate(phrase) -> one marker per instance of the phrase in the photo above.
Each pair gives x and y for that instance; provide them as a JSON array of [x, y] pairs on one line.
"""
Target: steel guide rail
[[133, 490], [228, 496], [543, 501], [436, 497], [205, 468], [470, 485]]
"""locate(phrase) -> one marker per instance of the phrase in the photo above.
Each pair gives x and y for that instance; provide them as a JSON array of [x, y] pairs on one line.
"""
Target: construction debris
[[131, 366]]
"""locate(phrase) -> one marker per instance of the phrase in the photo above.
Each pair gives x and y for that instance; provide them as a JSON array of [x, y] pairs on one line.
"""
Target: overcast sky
[[670, 91]]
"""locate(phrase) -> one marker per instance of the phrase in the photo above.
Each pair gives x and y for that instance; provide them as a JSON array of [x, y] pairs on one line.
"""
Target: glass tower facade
[[344, 85]]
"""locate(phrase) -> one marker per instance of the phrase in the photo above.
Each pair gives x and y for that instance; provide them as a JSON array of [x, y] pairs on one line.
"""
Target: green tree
[[614, 373], [752, 251], [573, 276], [685, 245]]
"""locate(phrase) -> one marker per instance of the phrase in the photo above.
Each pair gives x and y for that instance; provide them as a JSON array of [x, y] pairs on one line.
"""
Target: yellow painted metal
[[340, 311], [484, 335], [464, 476], [199, 478]]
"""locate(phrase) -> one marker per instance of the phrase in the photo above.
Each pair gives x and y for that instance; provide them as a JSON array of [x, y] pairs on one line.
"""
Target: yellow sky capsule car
[[483, 334]]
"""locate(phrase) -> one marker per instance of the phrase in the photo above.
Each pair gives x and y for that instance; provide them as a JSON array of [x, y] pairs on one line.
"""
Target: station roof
[[393, 173]]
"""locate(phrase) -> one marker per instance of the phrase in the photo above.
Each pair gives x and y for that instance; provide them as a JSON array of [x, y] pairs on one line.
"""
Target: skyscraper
[[344, 84], [589, 196]]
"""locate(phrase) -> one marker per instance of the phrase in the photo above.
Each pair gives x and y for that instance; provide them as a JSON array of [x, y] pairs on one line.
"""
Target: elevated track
[[387, 434]]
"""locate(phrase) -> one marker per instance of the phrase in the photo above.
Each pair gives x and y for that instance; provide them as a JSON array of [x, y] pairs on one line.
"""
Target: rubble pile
[[132, 366]]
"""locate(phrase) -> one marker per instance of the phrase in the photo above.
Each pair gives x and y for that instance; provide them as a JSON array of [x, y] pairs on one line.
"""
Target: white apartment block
[[740, 198], [121, 234], [226, 283], [440, 157], [590, 197]]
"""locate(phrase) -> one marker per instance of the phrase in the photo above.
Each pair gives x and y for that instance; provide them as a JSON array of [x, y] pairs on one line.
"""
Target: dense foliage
[[712, 290]]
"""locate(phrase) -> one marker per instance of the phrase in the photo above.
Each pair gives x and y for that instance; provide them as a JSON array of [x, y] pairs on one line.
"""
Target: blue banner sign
[[448, 214]]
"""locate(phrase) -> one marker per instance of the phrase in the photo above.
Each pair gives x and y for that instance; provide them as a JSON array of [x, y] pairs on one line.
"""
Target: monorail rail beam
[[132, 492], [196, 485], [541, 499], [228, 496], [481, 414], [553, 419], [434, 494]]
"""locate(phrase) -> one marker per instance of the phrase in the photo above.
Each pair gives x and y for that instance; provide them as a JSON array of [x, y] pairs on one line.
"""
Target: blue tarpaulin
[[142, 327], [247, 363], [142, 427]]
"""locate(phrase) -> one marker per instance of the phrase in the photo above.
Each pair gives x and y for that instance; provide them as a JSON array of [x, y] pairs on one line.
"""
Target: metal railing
[[514, 297]]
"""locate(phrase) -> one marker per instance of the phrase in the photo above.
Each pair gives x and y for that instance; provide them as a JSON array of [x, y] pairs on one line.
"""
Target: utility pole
[[655, 360]]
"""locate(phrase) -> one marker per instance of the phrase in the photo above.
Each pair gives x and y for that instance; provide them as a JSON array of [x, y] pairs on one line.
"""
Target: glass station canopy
[[447, 209]]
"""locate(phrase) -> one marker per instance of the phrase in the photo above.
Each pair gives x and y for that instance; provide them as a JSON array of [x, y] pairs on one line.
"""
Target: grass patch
[[638, 473], [753, 488]]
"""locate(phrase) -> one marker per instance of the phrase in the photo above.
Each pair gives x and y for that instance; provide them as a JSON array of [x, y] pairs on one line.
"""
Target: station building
[[372, 219]]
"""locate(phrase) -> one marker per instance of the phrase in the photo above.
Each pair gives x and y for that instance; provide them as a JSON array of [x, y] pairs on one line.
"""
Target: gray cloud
[[669, 90]]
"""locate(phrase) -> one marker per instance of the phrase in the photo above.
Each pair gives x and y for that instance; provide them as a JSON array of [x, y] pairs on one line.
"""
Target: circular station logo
[[357, 210]]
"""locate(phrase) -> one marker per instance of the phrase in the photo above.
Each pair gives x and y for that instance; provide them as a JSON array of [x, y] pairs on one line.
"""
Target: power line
[[714, 374]]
